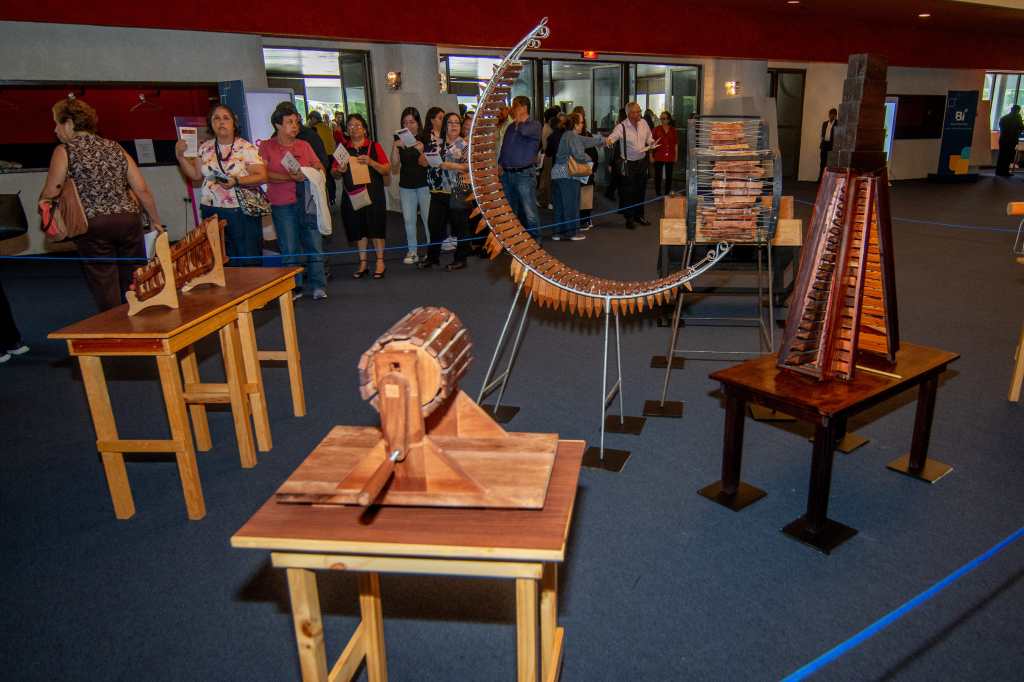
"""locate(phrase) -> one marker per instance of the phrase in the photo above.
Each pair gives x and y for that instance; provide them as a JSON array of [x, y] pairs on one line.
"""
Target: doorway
[[787, 87]]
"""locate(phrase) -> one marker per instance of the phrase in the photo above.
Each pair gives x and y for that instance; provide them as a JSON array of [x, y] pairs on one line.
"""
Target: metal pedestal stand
[[597, 457], [766, 335]]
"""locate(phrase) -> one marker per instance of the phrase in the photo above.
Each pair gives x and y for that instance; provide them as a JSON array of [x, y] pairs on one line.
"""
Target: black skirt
[[369, 222]]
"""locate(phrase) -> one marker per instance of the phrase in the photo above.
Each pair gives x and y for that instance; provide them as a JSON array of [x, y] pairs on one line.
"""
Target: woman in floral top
[[224, 163]]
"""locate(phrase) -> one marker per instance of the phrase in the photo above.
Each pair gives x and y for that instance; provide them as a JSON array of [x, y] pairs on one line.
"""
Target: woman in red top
[[665, 152]]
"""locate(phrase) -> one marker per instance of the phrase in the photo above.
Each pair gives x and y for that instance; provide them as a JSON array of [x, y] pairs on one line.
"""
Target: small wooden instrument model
[[197, 259], [434, 447]]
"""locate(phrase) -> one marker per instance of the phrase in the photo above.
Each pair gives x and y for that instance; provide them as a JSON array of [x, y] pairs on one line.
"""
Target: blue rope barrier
[[884, 622], [955, 226]]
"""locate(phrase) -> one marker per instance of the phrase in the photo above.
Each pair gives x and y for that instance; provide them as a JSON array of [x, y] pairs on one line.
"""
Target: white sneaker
[[577, 237], [411, 258], [20, 350], [4, 358], [448, 244], [556, 238], [319, 294], [297, 294]]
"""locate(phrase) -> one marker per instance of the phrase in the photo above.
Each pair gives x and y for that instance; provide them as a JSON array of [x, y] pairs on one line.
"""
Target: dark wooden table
[[827, 406]]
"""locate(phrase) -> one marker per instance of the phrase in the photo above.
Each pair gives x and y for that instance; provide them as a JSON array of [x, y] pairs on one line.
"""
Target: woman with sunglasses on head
[[225, 163], [369, 220], [411, 167], [448, 196], [665, 153]]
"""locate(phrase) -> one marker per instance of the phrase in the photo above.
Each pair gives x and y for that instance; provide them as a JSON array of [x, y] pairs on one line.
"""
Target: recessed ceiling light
[[792, 2], [923, 15]]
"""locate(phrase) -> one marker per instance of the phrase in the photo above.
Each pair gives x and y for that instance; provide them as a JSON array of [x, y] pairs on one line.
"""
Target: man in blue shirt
[[518, 160]]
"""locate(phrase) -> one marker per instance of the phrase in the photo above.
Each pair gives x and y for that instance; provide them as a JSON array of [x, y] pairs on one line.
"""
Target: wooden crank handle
[[371, 489]]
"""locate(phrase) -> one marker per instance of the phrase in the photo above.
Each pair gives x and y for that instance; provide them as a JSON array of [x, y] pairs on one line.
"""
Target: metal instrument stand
[[498, 412]]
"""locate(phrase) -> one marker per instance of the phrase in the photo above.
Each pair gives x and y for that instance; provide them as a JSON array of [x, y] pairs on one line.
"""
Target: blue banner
[[957, 132]]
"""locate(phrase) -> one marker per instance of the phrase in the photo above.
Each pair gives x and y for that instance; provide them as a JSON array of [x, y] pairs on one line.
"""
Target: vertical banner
[[958, 132], [232, 93]]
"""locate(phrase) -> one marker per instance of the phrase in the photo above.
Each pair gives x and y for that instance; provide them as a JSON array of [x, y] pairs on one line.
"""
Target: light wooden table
[[162, 333], [522, 545]]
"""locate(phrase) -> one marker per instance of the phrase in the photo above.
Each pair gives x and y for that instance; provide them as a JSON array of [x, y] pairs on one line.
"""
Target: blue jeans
[[521, 191], [297, 233], [244, 235], [565, 196], [411, 199]]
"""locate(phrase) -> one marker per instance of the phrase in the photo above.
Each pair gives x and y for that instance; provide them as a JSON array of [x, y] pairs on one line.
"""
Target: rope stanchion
[[884, 622]]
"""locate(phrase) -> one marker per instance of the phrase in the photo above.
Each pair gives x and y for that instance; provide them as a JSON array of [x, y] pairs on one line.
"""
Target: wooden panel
[[115, 346], [1015, 208], [789, 232], [785, 208], [675, 206], [195, 306], [673, 231], [537, 535]]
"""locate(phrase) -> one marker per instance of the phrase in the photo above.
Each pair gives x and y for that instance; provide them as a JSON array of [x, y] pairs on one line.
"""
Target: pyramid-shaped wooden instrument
[[435, 447], [844, 302]]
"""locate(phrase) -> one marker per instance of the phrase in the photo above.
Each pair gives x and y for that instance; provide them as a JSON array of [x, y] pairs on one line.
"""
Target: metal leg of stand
[[501, 341], [670, 353], [515, 350], [618, 365], [604, 376], [601, 457], [771, 302]]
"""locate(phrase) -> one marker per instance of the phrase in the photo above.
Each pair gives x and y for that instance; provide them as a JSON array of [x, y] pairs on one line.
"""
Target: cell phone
[[396, 138], [219, 176]]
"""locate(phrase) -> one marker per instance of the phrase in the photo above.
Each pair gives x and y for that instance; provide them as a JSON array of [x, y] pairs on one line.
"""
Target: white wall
[[823, 89], [577, 91]]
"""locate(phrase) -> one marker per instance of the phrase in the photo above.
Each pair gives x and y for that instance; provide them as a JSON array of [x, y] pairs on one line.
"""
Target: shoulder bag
[[63, 216], [252, 201]]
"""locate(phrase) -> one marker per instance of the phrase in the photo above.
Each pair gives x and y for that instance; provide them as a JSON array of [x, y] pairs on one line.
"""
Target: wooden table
[[827, 406], [162, 333], [524, 545]]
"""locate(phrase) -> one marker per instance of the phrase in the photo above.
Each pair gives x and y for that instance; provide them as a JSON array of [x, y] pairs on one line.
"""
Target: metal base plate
[[825, 540], [672, 409], [932, 471], [659, 362], [744, 496], [666, 321], [614, 460], [504, 413], [766, 414], [629, 425]]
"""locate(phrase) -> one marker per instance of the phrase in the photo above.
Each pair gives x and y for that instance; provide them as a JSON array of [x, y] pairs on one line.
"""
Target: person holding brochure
[[635, 142], [297, 230], [565, 187], [111, 189], [408, 162], [449, 194], [224, 164], [362, 165]]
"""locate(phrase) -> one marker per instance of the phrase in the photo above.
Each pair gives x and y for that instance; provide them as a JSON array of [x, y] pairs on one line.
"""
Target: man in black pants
[[1010, 128], [828, 130], [634, 135]]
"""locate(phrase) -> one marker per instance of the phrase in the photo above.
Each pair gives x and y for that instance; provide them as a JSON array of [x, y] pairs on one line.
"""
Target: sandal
[[362, 272], [380, 275]]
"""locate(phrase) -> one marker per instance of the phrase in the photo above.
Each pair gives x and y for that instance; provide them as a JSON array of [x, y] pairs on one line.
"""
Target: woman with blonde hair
[[111, 189]]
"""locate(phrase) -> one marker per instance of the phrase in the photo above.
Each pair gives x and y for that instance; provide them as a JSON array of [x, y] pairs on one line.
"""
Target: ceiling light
[[792, 2], [923, 15]]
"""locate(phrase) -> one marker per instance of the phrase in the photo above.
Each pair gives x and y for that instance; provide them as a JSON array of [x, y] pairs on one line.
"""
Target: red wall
[[958, 36]]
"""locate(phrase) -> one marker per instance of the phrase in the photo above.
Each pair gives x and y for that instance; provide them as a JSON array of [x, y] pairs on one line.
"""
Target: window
[[468, 75], [1005, 90]]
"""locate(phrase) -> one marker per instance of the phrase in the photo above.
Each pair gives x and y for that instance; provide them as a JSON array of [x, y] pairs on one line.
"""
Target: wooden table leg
[[309, 627], [526, 630], [551, 636], [373, 626], [291, 347], [200, 424], [254, 377], [232, 351], [815, 528], [177, 417], [1017, 380], [106, 430], [730, 491], [916, 463]]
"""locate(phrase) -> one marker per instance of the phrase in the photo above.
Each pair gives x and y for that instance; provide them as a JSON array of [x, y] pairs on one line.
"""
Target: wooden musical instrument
[[434, 447], [197, 259], [844, 300]]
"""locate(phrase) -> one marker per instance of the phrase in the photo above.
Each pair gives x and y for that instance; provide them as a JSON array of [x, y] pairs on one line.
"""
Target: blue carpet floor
[[659, 584]]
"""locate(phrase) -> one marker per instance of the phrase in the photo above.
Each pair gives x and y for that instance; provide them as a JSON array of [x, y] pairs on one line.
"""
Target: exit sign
[[589, 54]]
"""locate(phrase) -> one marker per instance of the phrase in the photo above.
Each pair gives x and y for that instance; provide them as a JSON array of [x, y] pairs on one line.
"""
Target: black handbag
[[13, 222]]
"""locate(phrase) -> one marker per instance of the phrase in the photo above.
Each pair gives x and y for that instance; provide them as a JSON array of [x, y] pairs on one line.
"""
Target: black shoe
[[630, 225], [427, 264], [455, 265], [643, 221]]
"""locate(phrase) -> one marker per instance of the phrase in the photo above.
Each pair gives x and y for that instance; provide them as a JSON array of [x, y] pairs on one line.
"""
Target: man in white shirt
[[828, 130], [635, 135]]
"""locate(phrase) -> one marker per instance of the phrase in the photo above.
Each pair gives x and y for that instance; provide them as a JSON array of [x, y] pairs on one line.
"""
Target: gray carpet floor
[[659, 583]]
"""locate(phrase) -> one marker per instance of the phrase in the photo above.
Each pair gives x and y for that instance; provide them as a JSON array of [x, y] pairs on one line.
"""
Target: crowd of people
[[549, 163]]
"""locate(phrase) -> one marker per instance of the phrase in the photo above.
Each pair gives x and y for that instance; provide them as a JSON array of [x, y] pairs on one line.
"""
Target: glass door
[[787, 87]]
